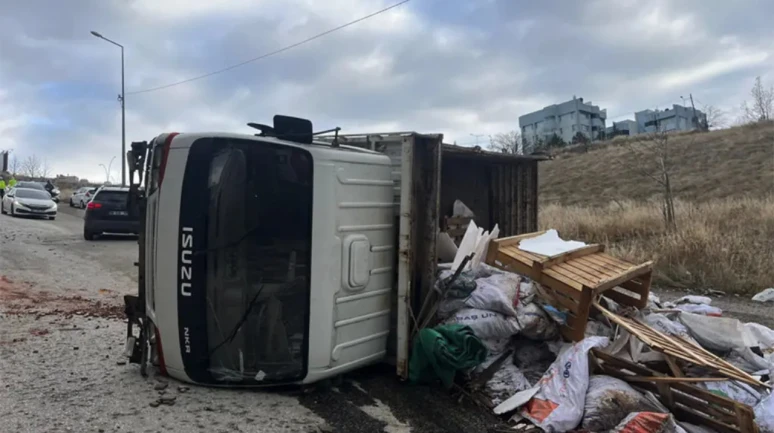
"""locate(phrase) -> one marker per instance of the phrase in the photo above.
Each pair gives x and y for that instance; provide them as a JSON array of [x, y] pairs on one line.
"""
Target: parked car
[[29, 202], [109, 212], [82, 196]]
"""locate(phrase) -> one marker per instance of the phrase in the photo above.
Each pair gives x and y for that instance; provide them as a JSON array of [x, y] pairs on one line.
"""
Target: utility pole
[[477, 137]]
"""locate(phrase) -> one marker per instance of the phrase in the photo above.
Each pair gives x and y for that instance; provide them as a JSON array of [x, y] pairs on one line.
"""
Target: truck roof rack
[[293, 129]]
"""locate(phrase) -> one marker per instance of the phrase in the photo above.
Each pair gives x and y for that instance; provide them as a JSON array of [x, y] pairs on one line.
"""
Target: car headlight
[[53, 206], [19, 204]]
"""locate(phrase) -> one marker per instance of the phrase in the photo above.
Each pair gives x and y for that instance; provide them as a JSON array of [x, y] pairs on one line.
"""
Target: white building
[[678, 118], [565, 120]]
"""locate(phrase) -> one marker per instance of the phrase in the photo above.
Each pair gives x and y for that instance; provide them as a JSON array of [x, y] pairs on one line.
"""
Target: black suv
[[108, 212]]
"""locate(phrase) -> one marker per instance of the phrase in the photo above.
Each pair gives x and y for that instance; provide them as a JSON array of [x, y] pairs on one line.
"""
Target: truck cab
[[265, 259]]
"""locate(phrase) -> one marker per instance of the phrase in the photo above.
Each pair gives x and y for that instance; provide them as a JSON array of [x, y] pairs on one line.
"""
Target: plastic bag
[[720, 334], [558, 406], [765, 296], [485, 324], [736, 391], [610, 400], [764, 337], [764, 414], [707, 310], [648, 422], [662, 323], [693, 299]]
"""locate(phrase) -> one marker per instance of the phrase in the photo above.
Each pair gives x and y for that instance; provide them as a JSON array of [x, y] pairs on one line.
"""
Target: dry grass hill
[[723, 183]]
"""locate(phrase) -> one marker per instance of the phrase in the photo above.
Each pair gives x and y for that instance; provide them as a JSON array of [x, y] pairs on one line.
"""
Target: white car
[[29, 202], [82, 196]]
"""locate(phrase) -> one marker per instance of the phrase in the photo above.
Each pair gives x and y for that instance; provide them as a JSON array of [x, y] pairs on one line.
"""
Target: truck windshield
[[258, 220]]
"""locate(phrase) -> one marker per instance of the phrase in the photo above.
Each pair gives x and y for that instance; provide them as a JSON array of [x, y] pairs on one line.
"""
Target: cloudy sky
[[459, 67]]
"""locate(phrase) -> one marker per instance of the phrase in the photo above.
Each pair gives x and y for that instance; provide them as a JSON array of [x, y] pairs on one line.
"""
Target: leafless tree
[[716, 118], [45, 169], [13, 165], [31, 166], [507, 142], [652, 159], [762, 105]]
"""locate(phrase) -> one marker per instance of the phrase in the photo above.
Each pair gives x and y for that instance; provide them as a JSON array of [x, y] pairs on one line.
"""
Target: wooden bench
[[572, 280]]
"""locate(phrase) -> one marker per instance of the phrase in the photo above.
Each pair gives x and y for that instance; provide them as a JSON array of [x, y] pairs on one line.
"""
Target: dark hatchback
[[109, 212]]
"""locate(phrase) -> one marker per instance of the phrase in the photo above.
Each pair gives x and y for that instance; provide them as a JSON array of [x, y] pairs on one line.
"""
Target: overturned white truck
[[288, 256]]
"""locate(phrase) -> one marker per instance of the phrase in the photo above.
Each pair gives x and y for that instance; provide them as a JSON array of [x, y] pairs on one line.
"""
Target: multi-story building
[[677, 118], [564, 120], [624, 127]]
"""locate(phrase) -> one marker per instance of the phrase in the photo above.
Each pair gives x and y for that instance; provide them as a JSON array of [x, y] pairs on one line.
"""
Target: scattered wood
[[680, 348], [687, 402], [572, 280]]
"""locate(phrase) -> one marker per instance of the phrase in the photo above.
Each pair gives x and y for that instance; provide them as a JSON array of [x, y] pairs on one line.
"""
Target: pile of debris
[[560, 335]]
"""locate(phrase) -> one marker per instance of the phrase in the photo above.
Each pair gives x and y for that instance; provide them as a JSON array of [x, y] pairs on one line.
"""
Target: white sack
[[717, 333], [764, 337], [485, 324], [693, 299], [610, 400], [549, 244], [559, 405], [707, 310], [651, 422], [486, 296], [765, 296], [535, 323], [764, 414], [736, 391]]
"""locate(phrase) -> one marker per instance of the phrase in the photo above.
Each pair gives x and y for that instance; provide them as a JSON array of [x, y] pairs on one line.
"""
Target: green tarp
[[440, 352]]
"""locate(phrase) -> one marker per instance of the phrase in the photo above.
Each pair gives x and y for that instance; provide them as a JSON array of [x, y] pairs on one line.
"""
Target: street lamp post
[[123, 109], [107, 169]]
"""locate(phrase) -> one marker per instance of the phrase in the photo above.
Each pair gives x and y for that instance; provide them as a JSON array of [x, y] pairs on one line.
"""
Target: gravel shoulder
[[62, 369]]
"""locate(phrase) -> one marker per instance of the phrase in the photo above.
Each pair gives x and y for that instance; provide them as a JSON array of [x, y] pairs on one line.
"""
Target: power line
[[263, 56]]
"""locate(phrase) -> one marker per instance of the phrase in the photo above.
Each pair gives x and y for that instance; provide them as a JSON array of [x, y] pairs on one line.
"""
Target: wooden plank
[[689, 395], [560, 285], [599, 269], [607, 258], [564, 300], [582, 274], [532, 256], [597, 258], [563, 279], [516, 253], [562, 269], [669, 379], [673, 366], [694, 417], [511, 240], [621, 298], [746, 418], [631, 273], [593, 273], [491, 253], [571, 255]]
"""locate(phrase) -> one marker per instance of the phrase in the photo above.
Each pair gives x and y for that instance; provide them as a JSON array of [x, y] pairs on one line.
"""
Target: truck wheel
[[89, 235]]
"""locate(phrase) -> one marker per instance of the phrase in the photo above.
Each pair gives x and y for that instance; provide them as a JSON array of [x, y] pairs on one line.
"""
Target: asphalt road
[[62, 335]]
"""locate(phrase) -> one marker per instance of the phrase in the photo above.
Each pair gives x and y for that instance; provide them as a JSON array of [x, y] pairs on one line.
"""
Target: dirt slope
[[718, 164]]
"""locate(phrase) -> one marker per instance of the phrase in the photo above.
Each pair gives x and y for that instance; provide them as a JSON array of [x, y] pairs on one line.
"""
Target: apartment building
[[565, 120], [677, 118]]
